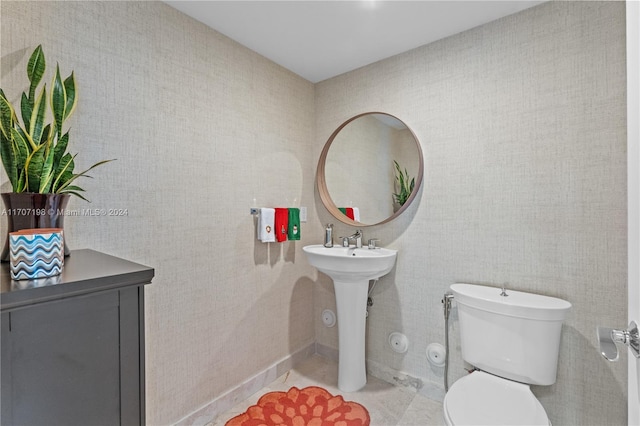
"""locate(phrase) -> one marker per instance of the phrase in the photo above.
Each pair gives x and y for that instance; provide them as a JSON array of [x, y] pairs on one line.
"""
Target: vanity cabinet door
[[61, 362]]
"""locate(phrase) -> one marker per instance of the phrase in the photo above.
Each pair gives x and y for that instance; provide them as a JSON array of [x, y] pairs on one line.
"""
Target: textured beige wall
[[201, 127], [522, 124]]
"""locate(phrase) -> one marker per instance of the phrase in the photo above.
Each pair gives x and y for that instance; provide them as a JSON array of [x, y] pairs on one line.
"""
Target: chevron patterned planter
[[27, 210], [36, 253]]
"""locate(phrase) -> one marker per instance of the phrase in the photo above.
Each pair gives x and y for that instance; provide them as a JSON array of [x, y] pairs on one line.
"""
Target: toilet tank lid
[[517, 303]]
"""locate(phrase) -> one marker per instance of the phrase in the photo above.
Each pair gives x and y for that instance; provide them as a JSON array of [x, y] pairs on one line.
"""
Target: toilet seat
[[484, 399]]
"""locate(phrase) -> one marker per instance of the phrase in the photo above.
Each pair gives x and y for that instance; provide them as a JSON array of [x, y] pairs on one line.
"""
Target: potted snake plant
[[34, 151]]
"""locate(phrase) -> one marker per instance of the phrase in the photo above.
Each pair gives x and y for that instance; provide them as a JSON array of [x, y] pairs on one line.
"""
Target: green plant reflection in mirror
[[357, 168], [404, 184]]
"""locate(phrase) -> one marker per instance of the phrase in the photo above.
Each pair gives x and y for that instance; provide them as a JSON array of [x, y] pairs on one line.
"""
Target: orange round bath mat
[[311, 406]]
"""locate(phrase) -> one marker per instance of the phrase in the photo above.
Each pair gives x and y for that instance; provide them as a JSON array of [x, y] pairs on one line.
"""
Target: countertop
[[85, 271]]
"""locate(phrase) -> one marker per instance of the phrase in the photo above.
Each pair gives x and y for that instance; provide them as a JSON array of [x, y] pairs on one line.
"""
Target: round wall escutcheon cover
[[436, 354], [398, 342], [328, 318]]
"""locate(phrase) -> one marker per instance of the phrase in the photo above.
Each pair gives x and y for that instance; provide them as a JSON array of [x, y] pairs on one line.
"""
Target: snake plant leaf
[[33, 167], [46, 174], [9, 159], [63, 172], [77, 194], [18, 131], [58, 101], [35, 70], [21, 147], [47, 136], [62, 188], [7, 152], [70, 91], [36, 124], [22, 182], [7, 116], [26, 108], [405, 185], [60, 148], [76, 190]]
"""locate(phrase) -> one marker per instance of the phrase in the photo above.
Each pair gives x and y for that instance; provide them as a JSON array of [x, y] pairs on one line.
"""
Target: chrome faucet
[[357, 237]]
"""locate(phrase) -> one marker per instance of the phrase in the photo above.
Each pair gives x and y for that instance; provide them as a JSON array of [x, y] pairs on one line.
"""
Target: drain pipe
[[446, 301], [369, 298]]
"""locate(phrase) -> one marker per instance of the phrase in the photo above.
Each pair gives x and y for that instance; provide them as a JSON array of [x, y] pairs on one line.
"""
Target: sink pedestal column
[[351, 301], [351, 268]]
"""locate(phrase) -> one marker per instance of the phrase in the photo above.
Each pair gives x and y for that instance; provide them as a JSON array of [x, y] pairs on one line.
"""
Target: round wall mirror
[[370, 169]]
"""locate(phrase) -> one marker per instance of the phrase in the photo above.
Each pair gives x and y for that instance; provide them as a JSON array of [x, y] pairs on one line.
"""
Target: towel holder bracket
[[255, 211]]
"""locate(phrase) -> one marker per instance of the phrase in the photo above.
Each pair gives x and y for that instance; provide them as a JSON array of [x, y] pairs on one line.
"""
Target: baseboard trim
[[210, 411]]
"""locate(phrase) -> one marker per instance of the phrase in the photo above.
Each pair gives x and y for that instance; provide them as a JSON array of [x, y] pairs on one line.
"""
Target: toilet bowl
[[484, 399], [512, 339]]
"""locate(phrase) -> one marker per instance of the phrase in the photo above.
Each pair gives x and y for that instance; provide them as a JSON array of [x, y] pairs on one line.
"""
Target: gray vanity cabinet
[[72, 347]]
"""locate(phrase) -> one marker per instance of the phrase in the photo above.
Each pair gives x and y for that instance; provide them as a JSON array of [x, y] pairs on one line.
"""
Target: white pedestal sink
[[351, 268]]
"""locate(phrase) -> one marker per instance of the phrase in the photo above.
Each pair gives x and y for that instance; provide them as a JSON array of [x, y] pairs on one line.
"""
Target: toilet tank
[[515, 336]]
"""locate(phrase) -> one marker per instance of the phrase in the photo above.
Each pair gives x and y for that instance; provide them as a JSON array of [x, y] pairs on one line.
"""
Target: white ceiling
[[321, 39]]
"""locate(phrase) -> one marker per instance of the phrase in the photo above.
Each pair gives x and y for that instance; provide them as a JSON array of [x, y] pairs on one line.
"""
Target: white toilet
[[513, 341]]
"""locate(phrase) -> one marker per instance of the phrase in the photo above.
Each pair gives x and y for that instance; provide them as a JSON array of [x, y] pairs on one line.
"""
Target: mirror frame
[[322, 183]]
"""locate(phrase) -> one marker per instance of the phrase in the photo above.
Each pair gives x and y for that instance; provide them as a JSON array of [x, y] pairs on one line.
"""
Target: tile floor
[[388, 405]]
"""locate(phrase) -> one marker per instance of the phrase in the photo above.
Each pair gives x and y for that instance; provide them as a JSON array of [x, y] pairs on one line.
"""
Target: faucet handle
[[372, 243]]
